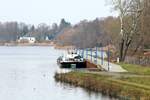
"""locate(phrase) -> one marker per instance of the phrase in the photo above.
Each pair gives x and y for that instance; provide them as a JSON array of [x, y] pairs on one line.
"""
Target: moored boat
[[71, 60]]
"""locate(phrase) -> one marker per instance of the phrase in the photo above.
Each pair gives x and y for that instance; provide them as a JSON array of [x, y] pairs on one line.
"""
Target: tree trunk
[[121, 49], [126, 50]]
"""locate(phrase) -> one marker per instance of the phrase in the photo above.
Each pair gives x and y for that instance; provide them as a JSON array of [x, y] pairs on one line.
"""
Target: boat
[[71, 60]]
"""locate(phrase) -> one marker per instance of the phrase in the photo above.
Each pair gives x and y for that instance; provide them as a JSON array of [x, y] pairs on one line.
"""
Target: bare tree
[[129, 13], [145, 20]]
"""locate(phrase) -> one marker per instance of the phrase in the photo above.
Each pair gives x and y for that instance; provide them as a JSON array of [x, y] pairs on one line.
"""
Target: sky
[[50, 11]]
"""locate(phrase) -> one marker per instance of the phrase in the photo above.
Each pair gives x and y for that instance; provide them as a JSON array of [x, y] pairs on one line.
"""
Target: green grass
[[141, 82], [138, 80], [126, 87], [134, 83], [136, 69]]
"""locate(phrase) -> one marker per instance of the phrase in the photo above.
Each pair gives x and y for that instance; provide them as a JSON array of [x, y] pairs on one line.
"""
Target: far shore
[[45, 43], [25, 44]]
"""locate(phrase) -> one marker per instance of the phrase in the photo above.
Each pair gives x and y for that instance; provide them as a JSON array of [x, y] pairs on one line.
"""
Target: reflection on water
[[26, 73]]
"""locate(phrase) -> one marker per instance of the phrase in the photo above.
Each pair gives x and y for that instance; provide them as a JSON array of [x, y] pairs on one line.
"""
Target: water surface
[[26, 73]]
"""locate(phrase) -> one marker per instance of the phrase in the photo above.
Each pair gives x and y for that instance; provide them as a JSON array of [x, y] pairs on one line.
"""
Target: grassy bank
[[123, 88], [136, 69]]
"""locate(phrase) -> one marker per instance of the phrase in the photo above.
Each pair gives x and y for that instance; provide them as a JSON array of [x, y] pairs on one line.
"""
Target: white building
[[27, 39], [46, 38]]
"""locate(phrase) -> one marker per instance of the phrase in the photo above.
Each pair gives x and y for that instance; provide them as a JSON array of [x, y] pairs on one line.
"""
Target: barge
[[71, 60]]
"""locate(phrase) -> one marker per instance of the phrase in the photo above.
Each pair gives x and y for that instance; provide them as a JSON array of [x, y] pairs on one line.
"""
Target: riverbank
[[26, 44], [123, 86]]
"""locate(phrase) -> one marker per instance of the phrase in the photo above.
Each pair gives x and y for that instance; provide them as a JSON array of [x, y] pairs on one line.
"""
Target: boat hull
[[73, 64]]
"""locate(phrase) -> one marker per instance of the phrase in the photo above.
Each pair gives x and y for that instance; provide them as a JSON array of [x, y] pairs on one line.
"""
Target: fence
[[95, 55]]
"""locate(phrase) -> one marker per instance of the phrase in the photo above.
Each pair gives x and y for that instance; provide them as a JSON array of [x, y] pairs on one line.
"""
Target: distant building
[[27, 39], [46, 38]]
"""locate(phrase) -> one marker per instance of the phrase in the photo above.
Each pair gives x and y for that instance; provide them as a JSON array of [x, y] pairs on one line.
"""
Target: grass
[[114, 87], [135, 84], [136, 69], [142, 72], [145, 81]]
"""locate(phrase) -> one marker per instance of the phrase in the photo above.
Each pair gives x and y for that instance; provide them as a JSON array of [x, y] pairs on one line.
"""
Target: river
[[26, 73]]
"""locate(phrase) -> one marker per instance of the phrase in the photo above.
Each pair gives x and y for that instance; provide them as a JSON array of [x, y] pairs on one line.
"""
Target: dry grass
[[107, 85]]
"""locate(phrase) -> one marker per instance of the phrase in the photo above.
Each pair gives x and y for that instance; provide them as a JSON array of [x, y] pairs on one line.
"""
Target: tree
[[32, 29], [110, 27], [53, 31], [63, 24], [83, 35], [129, 13], [23, 29], [145, 20]]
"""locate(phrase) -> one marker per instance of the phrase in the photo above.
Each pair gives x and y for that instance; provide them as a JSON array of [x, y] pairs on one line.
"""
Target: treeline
[[11, 31], [100, 32], [104, 31], [85, 34]]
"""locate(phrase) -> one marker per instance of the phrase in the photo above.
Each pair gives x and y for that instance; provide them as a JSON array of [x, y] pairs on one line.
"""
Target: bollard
[[118, 60]]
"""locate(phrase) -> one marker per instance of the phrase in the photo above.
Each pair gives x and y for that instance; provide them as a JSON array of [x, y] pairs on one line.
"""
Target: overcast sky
[[49, 11]]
